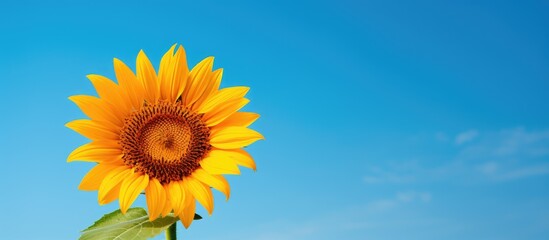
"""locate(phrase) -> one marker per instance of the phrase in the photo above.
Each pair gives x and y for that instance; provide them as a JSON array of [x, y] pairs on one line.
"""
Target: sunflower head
[[172, 134]]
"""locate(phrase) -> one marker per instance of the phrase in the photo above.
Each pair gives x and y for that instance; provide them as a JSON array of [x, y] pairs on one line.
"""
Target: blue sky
[[383, 119]]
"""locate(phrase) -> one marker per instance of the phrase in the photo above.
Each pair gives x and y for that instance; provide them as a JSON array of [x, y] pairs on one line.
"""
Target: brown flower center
[[165, 141]]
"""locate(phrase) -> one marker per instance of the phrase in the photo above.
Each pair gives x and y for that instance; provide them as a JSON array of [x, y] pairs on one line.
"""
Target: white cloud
[[518, 140], [466, 136], [383, 204], [327, 223], [505, 155], [340, 221], [291, 233], [411, 196], [488, 168], [399, 199], [395, 173], [509, 154], [526, 172], [504, 172], [387, 177], [441, 136]]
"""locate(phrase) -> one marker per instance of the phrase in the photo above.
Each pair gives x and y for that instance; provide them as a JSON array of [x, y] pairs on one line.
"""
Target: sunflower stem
[[171, 232]]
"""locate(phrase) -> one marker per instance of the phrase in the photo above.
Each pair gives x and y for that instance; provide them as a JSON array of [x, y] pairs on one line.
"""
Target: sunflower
[[172, 134]]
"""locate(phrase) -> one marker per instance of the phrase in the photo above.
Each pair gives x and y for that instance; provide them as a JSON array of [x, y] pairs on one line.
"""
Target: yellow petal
[[217, 182], [200, 192], [241, 157], [234, 137], [198, 81], [238, 119], [93, 130], [167, 205], [112, 195], [180, 75], [112, 180], [98, 109], [222, 96], [109, 91], [212, 87], [131, 187], [156, 198], [222, 111], [97, 151], [188, 214], [218, 163], [147, 75], [176, 195], [95, 176], [173, 74], [165, 74], [133, 89]]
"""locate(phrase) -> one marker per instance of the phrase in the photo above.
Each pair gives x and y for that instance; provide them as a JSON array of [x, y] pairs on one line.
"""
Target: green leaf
[[134, 224]]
